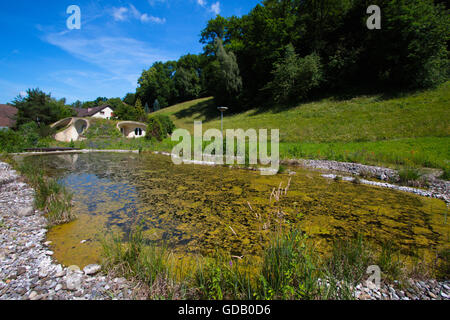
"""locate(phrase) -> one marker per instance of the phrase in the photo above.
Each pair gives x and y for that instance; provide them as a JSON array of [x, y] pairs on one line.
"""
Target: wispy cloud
[[147, 18], [122, 57], [215, 7], [153, 2], [202, 3], [119, 14], [131, 12]]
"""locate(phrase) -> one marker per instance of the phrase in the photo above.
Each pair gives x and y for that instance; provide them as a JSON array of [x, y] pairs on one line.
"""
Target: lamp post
[[222, 110]]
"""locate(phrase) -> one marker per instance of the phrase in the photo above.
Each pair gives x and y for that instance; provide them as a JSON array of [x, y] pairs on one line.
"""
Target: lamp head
[[222, 109]]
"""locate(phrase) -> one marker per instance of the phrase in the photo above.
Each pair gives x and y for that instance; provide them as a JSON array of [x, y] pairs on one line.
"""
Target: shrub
[[28, 136], [167, 123], [11, 141], [30, 132], [46, 131], [295, 77], [155, 129]]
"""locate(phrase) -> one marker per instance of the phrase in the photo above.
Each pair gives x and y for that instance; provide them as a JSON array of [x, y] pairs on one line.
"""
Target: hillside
[[411, 130]]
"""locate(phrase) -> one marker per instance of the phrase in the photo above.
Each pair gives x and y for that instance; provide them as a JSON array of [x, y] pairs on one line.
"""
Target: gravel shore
[[27, 269]]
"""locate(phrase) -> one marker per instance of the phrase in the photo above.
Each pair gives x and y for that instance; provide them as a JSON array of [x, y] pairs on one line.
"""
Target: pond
[[198, 209]]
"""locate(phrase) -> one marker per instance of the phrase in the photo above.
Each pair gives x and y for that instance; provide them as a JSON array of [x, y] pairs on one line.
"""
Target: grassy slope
[[409, 130]]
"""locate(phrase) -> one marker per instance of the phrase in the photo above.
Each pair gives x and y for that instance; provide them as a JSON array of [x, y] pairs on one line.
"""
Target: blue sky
[[117, 40]]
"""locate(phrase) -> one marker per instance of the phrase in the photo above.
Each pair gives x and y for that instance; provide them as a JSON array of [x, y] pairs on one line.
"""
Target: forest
[[285, 51]]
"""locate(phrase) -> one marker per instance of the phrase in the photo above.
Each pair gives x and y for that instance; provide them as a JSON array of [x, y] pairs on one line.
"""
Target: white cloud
[[119, 13], [215, 7], [153, 2], [123, 13], [147, 18], [135, 12]]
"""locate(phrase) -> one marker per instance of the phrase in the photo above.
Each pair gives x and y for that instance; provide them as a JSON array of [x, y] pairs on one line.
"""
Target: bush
[[295, 77], [155, 129], [28, 136], [159, 126], [167, 123], [11, 141], [30, 132], [46, 131]]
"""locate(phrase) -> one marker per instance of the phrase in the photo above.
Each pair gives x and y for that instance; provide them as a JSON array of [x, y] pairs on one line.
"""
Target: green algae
[[198, 209]]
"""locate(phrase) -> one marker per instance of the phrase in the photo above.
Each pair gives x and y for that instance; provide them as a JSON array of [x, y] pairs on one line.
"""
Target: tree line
[[284, 51]]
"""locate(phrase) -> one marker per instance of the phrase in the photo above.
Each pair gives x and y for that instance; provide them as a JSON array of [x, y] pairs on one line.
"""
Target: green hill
[[411, 130]]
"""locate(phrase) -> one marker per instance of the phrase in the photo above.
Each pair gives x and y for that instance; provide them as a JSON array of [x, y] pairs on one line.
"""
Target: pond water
[[197, 209]]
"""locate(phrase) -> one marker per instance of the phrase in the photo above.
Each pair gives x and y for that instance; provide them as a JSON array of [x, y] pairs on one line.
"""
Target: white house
[[102, 112]]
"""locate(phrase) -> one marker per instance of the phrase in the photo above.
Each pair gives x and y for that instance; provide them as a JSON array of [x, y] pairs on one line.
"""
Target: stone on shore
[[92, 269], [25, 212]]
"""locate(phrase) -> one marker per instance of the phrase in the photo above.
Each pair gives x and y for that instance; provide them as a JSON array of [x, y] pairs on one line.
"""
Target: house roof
[[7, 115], [83, 112]]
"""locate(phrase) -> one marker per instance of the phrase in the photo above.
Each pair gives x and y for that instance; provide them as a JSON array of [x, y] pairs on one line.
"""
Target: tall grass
[[146, 263], [51, 197], [409, 174], [290, 269], [135, 259], [390, 262], [349, 260], [222, 277], [345, 267]]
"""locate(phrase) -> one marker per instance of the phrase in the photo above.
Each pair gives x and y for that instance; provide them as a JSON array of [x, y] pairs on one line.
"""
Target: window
[[138, 132]]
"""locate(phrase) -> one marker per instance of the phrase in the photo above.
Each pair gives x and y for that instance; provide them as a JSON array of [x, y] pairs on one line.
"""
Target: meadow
[[409, 129]]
